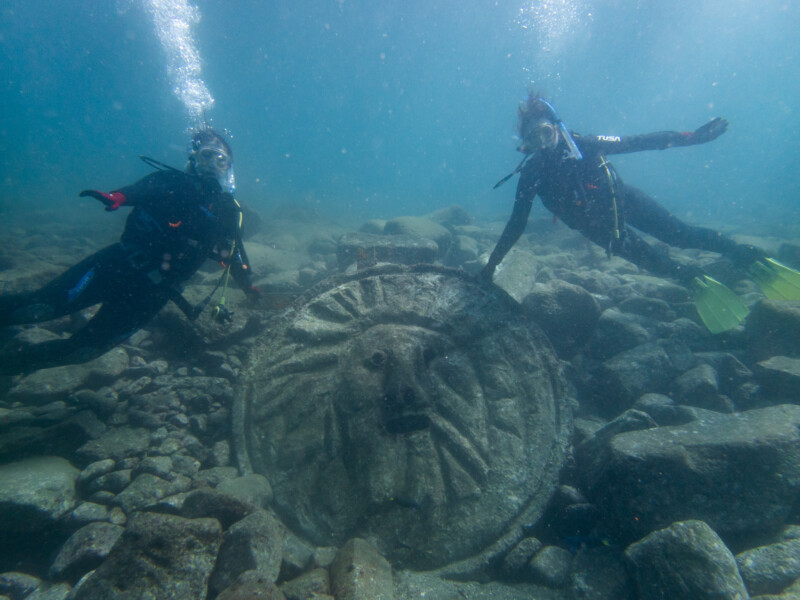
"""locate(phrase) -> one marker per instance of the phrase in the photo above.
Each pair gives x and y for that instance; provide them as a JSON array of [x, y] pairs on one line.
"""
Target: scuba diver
[[575, 181], [179, 219]]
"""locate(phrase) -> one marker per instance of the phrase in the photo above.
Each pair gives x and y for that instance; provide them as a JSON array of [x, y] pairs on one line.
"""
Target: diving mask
[[542, 135], [215, 163]]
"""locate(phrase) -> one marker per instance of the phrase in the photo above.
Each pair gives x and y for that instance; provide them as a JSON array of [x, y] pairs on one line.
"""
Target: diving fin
[[776, 280], [718, 307]]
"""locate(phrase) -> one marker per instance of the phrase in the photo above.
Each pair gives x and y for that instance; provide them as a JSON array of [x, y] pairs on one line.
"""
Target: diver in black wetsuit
[[179, 220], [578, 185]]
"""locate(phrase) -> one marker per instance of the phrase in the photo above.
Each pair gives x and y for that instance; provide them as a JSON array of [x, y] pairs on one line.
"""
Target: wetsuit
[[178, 221], [589, 196]]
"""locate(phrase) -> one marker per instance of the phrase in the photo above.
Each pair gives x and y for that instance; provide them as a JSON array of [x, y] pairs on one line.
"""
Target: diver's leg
[[654, 259], [644, 213], [116, 320], [78, 287]]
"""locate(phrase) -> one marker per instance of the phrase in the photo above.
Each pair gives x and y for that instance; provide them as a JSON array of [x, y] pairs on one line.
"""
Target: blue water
[[365, 108]]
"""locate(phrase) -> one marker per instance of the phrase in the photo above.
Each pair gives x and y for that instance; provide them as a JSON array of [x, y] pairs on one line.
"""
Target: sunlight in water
[[173, 20]]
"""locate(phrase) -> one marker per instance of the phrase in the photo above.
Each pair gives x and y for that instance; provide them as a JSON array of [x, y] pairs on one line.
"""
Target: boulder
[[421, 227], [35, 493], [685, 561], [359, 572], [740, 473], [368, 249], [158, 556], [84, 550], [566, 312], [254, 543], [773, 328], [770, 569]]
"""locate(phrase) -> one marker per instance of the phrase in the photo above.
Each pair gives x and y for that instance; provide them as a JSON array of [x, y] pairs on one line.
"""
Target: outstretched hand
[[112, 201], [710, 131]]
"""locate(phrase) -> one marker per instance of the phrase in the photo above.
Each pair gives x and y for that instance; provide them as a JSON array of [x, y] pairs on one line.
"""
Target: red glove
[[112, 201]]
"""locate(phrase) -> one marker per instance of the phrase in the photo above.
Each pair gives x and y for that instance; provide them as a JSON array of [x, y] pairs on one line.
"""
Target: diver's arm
[[526, 192], [112, 200], [150, 188], [615, 144]]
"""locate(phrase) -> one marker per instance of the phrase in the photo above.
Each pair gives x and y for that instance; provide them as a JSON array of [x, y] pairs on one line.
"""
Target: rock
[[773, 329], [617, 332], [464, 250], [211, 503], [420, 227], [770, 569], [684, 330], [367, 249], [57, 383], [254, 543], [88, 512], [220, 454], [48, 385], [652, 308], [450, 216], [116, 443], [360, 573], [252, 585], [591, 452], [36, 492], [700, 387], [646, 368], [665, 412], [18, 585], [160, 466], [685, 561], [146, 490], [309, 585], [517, 273], [567, 313], [50, 591], [59, 439], [779, 377], [516, 561], [158, 556], [599, 574], [731, 372], [113, 482], [84, 550], [373, 226], [253, 489], [740, 473], [550, 566]]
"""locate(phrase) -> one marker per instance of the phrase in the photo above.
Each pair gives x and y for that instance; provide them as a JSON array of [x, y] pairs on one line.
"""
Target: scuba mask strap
[[574, 152]]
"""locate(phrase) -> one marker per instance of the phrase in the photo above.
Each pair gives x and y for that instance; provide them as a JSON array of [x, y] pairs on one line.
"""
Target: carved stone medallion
[[412, 406]]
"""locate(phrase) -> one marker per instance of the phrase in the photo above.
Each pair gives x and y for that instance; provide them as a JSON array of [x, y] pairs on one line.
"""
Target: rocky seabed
[[119, 478]]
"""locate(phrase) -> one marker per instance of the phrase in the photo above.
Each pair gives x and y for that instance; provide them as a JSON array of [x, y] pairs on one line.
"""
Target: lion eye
[[376, 360]]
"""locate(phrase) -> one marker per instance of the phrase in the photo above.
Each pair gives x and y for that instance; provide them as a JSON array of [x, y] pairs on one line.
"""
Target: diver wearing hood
[[179, 219], [578, 185]]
